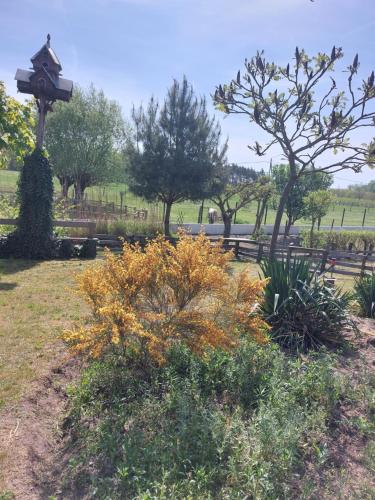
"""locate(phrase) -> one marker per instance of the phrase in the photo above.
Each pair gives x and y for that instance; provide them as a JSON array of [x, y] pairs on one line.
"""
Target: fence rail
[[88, 224], [344, 263]]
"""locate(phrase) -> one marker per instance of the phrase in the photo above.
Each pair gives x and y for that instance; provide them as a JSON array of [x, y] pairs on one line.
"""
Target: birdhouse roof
[[24, 75], [50, 52]]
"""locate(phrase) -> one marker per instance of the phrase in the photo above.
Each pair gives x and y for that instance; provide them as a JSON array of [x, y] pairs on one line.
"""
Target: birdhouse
[[44, 79]]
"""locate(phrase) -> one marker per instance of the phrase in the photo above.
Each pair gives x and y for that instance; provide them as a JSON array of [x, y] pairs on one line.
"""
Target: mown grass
[[188, 211], [36, 303]]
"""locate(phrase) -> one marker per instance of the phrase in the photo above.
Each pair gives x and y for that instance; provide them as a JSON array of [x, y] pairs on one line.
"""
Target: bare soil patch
[[30, 434]]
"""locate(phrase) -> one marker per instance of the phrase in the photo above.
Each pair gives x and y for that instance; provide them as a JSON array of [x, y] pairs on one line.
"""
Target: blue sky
[[134, 48]]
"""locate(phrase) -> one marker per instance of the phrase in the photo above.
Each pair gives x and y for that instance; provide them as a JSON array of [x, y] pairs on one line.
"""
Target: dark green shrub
[[35, 192], [303, 312], [65, 248], [88, 249], [364, 291]]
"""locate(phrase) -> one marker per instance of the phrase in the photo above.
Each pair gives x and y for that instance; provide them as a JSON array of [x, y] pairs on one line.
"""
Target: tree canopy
[[83, 138], [294, 206], [234, 187], [16, 127], [301, 109], [175, 149]]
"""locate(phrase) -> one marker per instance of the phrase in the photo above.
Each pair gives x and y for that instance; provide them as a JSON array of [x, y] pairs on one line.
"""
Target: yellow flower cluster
[[147, 300]]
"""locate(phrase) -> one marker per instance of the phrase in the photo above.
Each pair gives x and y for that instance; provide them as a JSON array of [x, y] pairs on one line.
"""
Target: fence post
[[364, 217], [342, 218], [260, 252], [289, 252], [333, 222], [236, 249], [324, 261], [235, 214], [363, 265]]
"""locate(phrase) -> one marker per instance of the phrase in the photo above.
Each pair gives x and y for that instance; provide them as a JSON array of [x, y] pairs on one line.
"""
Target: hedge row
[[356, 241]]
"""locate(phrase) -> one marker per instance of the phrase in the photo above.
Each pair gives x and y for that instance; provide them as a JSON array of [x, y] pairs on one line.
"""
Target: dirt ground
[[30, 435]]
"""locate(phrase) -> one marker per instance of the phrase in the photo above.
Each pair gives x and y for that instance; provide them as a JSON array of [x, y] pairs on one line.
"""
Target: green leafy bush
[[364, 291], [8, 210], [303, 312], [229, 425], [357, 241]]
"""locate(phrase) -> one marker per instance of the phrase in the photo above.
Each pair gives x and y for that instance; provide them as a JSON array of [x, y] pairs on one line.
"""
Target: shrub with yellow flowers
[[144, 301]]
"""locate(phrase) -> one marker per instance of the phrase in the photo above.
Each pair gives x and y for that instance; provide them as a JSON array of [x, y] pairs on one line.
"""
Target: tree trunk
[[64, 188], [312, 232], [78, 191], [227, 219], [279, 215], [259, 217], [288, 225], [167, 216]]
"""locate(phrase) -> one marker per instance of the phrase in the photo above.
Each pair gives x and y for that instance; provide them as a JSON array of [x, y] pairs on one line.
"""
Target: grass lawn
[[36, 303]]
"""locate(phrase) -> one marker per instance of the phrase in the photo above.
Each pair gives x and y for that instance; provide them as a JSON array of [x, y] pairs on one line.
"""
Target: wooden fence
[[88, 224], [323, 260]]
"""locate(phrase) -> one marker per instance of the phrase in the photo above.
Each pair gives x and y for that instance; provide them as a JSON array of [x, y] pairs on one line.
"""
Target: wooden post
[[200, 213], [260, 252], [42, 105], [342, 218], [363, 265], [265, 215], [236, 249], [333, 222], [364, 217], [235, 214], [324, 261], [289, 252]]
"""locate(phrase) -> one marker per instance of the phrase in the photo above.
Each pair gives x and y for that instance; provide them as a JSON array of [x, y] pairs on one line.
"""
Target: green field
[[188, 211]]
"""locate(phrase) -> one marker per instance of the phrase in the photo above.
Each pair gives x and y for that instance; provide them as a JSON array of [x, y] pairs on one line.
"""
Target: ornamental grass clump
[[364, 292], [302, 310], [144, 302]]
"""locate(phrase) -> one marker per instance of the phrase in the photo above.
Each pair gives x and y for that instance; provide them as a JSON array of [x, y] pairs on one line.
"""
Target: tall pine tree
[[175, 150]]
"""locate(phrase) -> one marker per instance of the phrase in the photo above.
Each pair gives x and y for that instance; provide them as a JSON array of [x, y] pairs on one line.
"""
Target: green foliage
[[316, 205], [357, 241], [8, 210], [134, 228], [83, 138], [235, 187], [33, 238], [234, 425], [312, 181], [175, 149], [364, 291], [16, 127], [303, 312]]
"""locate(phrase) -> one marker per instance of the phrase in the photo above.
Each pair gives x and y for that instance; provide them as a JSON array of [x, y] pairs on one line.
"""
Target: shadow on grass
[[6, 287], [13, 266]]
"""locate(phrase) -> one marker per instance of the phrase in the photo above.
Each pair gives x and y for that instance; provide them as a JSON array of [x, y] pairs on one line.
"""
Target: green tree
[[175, 151], [316, 206], [16, 127], [263, 194], [235, 187], [301, 110], [294, 206], [83, 138]]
